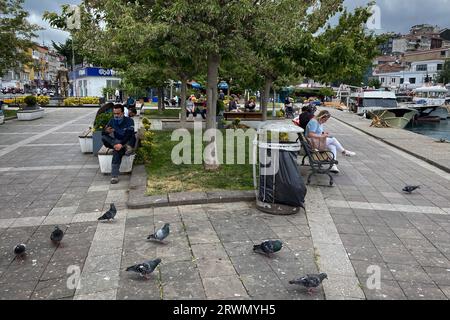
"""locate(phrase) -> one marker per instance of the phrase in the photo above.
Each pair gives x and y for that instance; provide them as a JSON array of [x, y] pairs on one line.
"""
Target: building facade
[[90, 81]]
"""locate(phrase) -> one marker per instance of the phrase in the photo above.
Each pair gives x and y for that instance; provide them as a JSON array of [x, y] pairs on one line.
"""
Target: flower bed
[[78, 101]]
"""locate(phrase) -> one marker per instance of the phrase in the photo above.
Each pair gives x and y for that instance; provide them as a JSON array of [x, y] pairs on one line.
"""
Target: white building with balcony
[[417, 75]]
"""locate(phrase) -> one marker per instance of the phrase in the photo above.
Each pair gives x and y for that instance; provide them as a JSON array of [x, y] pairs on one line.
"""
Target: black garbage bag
[[285, 185]]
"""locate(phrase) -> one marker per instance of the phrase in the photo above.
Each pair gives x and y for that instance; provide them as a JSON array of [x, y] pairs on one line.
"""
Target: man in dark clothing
[[119, 135], [306, 116]]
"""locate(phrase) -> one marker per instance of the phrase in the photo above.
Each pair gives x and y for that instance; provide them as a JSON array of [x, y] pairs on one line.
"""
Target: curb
[[138, 200], [433, 163]]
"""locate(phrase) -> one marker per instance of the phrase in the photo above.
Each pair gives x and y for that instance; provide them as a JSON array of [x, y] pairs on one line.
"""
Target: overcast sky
[[396, 15]]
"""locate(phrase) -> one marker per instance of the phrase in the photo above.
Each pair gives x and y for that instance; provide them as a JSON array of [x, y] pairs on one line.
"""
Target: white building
[[417, 75], [89, 82]]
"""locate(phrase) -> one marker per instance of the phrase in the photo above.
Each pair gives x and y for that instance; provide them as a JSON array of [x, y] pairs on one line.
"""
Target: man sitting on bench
[[119, 135]]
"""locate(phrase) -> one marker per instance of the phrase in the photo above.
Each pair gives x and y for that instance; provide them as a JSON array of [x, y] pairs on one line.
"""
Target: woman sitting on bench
[[315, 131]]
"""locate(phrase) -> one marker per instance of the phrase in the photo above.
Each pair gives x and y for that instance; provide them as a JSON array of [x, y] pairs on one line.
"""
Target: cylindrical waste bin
[[280, 187]]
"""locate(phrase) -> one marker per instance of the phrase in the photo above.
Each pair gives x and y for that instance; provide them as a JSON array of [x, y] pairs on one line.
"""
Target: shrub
[[30, 101], [253, 97], [145, 121], [102, 120], [76, 101], [220, 107], [43, 100], [143, 154]]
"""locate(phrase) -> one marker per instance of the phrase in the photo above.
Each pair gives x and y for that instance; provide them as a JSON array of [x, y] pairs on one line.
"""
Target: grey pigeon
[[110, 214], [145, 268], [410, 189], [57, 235], [161, 234], [20, 249], [310, 281], [268, 247]]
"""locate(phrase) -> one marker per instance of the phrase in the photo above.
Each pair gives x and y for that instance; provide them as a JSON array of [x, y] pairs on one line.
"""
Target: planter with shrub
[[100, 122], [2, 117], [31, 110], [86, 141]]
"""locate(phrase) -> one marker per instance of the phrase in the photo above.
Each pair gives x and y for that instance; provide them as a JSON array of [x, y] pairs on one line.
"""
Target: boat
[[382, 104], [430, 102], [395, 117], [430, 96]]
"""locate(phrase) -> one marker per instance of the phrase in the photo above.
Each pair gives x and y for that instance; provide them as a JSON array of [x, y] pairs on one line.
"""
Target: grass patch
[[168, 113], [164, 176], [9, 113]]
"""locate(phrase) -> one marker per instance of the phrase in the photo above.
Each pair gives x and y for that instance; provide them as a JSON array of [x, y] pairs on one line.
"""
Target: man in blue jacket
[[119, 135]]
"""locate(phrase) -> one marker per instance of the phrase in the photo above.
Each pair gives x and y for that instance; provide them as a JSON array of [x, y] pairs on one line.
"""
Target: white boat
[[384, 105], [430, 96]]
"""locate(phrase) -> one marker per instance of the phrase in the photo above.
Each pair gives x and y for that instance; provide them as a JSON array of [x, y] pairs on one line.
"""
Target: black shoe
[[114, 180]]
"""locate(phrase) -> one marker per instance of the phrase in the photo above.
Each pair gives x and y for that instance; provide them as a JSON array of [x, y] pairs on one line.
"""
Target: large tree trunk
[[211, 160], [183, 101], [265, 97]]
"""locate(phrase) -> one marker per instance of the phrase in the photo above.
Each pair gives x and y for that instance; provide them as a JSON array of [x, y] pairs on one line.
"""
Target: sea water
[[436, 130]]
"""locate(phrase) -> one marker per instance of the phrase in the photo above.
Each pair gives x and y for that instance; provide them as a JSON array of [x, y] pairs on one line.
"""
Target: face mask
[[118, 119]]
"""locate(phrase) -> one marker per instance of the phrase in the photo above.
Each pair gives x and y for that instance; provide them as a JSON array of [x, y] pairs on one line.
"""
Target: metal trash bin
[[279, 186]]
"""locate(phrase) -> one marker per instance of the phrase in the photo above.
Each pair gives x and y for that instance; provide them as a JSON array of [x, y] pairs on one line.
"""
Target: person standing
[[117, 95]]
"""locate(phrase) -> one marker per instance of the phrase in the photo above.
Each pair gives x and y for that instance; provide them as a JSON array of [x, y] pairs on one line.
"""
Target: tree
[[375, 83], [444, 74], [16, 35], [65, 49]]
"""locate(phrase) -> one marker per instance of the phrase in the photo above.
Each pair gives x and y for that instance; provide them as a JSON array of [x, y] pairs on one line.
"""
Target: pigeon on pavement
[[57, 235], [310, 281], [20, 249], [410, 189], [161, 234], [145, 268], [110, 214], [268, 247]]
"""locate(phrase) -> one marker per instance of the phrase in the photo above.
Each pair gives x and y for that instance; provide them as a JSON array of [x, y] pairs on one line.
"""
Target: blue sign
[[92, 72]]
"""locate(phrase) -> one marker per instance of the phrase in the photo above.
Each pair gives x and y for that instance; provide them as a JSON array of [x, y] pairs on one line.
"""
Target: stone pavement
[[365, 220]]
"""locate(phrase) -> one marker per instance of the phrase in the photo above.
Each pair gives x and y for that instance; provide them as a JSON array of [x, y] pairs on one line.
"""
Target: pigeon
[[145, 268], [268, 247], [110, 214], [20, 249], [161, 234], [410, 189], [57, 235], [310, 281]]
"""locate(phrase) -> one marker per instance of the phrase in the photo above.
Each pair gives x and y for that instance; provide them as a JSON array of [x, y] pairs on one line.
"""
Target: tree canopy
[[16, 35]]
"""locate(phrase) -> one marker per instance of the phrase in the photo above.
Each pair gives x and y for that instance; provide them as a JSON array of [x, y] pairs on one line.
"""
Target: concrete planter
[[106, 160], [86, 144], [2, 119], [28, 115], [97, 142]]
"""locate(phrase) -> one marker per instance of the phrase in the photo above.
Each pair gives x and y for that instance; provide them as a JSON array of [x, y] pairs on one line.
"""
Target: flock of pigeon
[[267, 248], [145, 268]]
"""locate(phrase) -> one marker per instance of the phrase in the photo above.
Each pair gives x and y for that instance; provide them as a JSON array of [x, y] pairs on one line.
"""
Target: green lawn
[[9, 113], [164, 176], [168, 113]]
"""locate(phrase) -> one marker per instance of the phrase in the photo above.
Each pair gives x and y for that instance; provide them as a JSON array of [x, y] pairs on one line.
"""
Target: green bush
[[143, 154], [102, 120], [30, 101], [220, 107]]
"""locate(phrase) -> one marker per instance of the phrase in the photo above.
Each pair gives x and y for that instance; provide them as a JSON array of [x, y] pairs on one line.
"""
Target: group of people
[[233, 105], [314, 129], [194, 107]]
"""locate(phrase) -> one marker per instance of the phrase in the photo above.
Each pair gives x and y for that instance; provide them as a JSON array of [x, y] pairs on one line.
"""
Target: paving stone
[[17, 290], [187, 198], [389, 290], [104, 295], [226, 287], [265, 286], [95, 264], [184, 290], [441, 276], [98, 282], [250, 264], [52, 290], [420, 291], [209, 251], [407, 273]]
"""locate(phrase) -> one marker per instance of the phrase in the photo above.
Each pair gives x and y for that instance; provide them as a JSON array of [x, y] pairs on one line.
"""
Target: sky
[[396, 15]]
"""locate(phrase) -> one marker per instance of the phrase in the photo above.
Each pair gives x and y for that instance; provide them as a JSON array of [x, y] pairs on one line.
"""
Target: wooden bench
[[243, 115], [320, 162]]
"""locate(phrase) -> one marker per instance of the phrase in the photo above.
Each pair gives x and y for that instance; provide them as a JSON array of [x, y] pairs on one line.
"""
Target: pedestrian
[[117, 95]]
